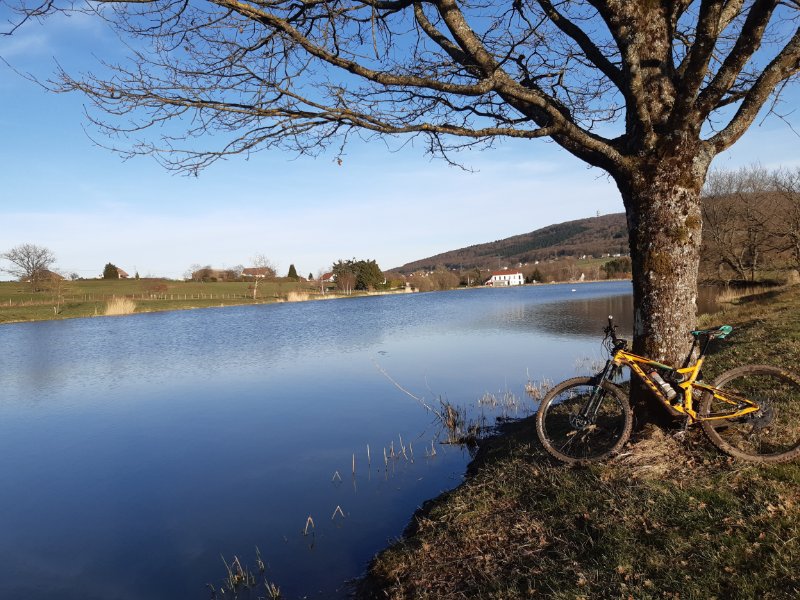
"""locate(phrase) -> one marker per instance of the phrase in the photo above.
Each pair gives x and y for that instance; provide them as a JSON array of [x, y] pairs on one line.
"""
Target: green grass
[[665, 519], [71, 299]]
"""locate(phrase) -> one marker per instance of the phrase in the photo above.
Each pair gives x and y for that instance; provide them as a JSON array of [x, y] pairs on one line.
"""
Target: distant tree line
[[752, 223]]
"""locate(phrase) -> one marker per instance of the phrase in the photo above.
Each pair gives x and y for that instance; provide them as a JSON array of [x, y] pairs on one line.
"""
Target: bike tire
[[771, 435], [578, 445]]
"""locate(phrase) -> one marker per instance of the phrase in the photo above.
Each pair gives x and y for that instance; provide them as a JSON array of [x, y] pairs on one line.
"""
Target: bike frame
[[689, 375]]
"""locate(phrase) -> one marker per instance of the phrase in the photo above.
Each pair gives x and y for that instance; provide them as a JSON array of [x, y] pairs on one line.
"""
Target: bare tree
[[648, 91], [346, 281], [322, 283], [236, 271], [740, 218], [191, 272], [787, 184], [262, 269], [29, 263]]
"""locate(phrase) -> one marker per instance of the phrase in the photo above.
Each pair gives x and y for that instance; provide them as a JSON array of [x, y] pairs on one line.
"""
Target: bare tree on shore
[[649, 92], [30, 263], [262, 269], [741, 221]]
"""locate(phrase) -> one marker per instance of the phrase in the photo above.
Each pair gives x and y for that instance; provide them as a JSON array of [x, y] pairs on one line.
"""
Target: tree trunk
[[662, 204]]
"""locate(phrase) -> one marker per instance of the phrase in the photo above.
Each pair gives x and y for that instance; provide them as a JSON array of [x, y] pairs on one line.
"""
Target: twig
[[421, 401]]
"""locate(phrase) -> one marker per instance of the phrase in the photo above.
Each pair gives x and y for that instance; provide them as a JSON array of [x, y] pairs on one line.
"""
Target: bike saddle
[[717, 332]]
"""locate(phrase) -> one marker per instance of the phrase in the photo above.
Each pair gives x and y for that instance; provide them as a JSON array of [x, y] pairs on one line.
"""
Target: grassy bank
[[668, 518], [91, 298]]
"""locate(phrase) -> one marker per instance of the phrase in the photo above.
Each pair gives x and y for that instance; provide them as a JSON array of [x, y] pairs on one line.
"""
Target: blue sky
[[87, 205]]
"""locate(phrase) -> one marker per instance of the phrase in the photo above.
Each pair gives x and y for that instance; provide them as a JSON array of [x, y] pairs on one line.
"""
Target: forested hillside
[[595, 236], [751, 232]]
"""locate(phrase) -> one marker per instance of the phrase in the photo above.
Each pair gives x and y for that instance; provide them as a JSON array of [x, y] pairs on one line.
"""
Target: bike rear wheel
[[570, 435], [770, 435]]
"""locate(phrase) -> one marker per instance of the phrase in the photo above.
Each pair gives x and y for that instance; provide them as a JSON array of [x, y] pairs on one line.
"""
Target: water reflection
[[585, 317]]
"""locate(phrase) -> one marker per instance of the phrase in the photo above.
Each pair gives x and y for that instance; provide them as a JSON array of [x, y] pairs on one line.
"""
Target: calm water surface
[[136, 451]]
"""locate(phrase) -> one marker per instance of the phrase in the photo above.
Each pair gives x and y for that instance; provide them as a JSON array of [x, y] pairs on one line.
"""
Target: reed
[[309, 523], [402, 447], [239, 578], [297, 296], [538, 389], [730, 295], [338, 511], [120, 306]]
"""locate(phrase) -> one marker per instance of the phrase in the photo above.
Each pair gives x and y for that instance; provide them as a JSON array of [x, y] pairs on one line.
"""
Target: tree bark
[[662, 203]]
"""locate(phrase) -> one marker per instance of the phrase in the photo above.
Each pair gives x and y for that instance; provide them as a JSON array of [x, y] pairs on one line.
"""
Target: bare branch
[[303, 74], [747, 43], [782, 67]]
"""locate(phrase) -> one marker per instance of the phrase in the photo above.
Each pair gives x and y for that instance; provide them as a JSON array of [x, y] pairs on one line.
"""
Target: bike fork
[[589, 412]]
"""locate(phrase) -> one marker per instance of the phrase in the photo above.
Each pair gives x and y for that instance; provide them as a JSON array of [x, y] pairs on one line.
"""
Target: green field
[[89, 298]]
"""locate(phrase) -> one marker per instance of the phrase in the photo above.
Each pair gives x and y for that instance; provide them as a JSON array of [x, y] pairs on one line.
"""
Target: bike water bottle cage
[[718, 332]]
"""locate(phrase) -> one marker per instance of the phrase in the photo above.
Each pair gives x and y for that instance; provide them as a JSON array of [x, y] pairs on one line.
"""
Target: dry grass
[[120, 306], [665, 520], [297, 296], [730, 295]]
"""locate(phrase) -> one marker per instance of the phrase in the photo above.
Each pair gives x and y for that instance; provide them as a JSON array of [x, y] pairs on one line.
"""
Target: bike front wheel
[[770, 435], [576, 430]]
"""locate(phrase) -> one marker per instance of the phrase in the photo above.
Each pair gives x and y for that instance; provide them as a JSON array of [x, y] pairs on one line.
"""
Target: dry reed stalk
[[336, 476], [733, 294], [309, 521], [369, 460], [259, 562], [120, 306], [421, 401], [337, 511]]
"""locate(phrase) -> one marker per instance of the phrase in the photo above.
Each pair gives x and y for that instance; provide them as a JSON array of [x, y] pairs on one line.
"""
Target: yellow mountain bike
[[750, 412]]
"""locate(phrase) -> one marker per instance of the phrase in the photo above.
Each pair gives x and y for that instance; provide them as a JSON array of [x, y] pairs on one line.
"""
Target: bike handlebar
[[611, 329], [611, 332]]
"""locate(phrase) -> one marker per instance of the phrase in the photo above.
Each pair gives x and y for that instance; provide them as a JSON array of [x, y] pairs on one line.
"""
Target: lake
[[136, 452]]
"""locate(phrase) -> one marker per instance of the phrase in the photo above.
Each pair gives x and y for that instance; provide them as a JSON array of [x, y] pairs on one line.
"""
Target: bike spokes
[[578, 425], [770, 434]]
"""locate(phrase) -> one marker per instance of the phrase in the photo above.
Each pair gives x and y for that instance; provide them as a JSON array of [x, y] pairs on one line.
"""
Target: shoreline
[[666, 518], [43, 310]]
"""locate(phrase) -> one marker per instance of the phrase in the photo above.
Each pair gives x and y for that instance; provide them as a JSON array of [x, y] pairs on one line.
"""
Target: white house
[[506, 278]]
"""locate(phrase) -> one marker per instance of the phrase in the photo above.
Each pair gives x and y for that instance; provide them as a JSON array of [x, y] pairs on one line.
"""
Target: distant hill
[[595, 236]]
